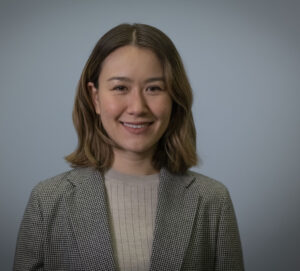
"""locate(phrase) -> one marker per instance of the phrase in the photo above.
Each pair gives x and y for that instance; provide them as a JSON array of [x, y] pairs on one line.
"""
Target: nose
[[137, 104]]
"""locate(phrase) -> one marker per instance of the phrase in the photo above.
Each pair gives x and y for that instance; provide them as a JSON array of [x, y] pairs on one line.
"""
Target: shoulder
[[208, 188], [206, 182], [54, 184], [53, 188]]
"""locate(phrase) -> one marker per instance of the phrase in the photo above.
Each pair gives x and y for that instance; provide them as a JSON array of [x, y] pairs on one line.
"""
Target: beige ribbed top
[[132, 202]]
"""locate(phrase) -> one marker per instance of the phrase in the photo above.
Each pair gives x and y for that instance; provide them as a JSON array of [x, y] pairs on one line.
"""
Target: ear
[[95, 96]]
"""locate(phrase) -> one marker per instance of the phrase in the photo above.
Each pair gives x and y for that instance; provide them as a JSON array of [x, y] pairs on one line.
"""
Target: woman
[[130, 202]]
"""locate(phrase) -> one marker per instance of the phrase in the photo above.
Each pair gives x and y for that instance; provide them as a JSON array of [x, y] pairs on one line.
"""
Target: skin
[[134, 105]]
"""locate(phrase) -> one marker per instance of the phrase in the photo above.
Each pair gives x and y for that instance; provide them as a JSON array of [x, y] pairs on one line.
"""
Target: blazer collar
[[176, 209], [87, 210], [88, 213]]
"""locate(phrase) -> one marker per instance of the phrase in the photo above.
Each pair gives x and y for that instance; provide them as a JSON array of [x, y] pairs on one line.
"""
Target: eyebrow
[[126, 79]]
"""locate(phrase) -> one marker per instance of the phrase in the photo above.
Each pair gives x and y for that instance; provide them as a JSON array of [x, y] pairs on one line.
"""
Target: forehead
[[131, 61]]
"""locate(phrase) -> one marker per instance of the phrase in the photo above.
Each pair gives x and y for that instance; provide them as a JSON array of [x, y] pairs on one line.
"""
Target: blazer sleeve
[[29, 249], [229, 252]]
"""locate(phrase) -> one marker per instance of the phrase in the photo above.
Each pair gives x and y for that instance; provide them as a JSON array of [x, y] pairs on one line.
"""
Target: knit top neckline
[[116, 176]]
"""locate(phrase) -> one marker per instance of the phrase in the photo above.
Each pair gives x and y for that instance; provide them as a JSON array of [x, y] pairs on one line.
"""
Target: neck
[[133, 164]]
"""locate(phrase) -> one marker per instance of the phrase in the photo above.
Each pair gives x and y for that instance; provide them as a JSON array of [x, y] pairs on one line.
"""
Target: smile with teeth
[[136, 126]]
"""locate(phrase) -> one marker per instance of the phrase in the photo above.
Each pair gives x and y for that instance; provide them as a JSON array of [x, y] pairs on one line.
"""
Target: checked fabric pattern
[[66, 226]]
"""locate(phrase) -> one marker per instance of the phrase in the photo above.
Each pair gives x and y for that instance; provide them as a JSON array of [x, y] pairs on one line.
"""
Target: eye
[[120, 88], [153, 88]]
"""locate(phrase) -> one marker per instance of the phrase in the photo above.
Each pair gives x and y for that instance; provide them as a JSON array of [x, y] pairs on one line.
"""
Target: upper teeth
[[134, 125]]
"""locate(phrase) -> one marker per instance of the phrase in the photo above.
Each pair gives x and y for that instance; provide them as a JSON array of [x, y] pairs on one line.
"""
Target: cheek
[[109, 107], [164, 108], [163, 113]]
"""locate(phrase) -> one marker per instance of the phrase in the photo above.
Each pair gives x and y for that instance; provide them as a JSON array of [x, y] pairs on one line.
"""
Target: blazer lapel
[[87, 211], [177, 205]]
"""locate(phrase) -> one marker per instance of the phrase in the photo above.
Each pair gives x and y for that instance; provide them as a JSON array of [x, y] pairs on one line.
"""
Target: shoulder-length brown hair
[[176, 150]]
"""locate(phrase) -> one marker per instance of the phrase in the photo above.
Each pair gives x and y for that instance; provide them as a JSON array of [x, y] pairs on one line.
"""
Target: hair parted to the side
[[176, 150]]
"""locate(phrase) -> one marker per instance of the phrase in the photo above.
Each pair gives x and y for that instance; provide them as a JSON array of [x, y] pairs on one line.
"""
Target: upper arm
[[29, 249], [229, 253]]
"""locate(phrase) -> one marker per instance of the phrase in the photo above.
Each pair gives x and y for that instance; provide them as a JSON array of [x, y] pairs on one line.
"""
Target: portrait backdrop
[[243, 61]]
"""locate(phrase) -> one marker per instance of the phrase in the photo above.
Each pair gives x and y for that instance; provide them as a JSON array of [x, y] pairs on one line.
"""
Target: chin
[[137, 150]]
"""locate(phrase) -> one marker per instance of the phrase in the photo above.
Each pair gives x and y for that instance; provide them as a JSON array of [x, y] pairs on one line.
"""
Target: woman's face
[[132, 100]]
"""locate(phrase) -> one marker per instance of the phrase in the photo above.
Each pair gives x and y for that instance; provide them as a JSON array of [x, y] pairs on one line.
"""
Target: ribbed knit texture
[[132, 204]]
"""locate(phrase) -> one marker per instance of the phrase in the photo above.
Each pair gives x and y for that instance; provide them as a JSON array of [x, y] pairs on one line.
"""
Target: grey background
[[242, 58]]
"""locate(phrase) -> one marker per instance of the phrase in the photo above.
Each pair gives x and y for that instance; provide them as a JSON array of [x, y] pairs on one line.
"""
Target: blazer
[[66, 226]]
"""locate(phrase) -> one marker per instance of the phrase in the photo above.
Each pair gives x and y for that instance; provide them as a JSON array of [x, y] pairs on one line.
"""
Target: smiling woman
[[131, 203], [133, 104], [132, 60]]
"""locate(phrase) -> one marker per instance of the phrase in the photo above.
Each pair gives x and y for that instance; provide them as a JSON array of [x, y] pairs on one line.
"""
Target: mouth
[[136, 127]]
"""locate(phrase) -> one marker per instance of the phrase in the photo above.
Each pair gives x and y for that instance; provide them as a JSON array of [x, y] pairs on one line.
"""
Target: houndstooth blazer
[[66, 225]]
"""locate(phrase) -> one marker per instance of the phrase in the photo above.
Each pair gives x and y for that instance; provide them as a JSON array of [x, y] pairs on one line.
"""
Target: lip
[[136, 127]]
